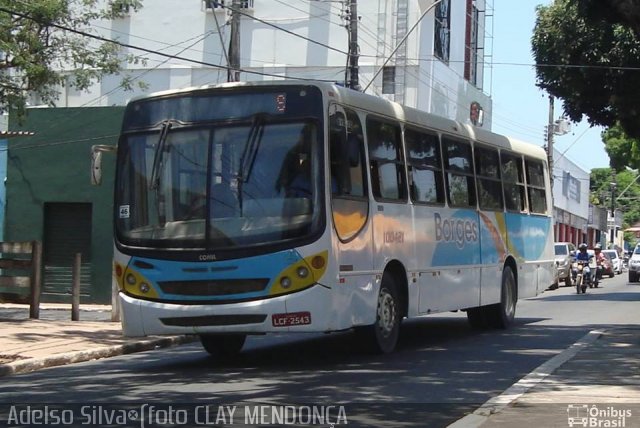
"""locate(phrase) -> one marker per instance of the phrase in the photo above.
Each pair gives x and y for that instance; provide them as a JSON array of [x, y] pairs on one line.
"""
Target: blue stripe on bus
[[258, 267]]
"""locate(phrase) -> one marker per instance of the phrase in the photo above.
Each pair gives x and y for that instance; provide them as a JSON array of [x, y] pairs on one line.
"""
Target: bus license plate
[[294, 318]]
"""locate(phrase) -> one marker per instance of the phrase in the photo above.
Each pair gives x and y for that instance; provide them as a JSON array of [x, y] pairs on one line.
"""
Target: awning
[[6, 134]]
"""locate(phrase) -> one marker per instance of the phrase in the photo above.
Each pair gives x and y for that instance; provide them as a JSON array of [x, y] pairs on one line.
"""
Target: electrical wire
[[143, 49], [262, 21]]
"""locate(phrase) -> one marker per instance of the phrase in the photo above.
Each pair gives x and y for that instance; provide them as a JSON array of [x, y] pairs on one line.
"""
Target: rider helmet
[[583, 247], [598, 247]]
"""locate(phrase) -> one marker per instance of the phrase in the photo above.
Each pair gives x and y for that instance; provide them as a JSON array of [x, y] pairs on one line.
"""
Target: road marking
[[518, 389]]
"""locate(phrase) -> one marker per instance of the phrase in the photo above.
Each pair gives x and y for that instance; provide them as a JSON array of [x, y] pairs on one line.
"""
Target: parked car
[[565, 253], [616, 260], [634, 264]]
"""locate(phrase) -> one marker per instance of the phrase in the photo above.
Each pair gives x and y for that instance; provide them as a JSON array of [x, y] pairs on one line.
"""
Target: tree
[[587, 61], [627, 182], [45, 44], [625, 12], [623, 151]]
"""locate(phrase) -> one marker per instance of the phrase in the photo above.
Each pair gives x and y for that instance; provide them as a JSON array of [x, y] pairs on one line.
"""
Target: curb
[[33, 364], [497, 404]]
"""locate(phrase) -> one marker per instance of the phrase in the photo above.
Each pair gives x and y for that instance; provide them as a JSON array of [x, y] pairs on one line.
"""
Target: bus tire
[[223, 346], [382, 336], [502, 314]]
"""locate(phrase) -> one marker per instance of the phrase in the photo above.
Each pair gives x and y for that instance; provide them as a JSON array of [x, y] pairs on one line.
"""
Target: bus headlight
[[285, 282], [135, 284], [302, 272], [300, 275]]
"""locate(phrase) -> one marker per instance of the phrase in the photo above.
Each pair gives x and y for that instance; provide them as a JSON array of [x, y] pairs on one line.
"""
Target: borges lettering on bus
[[457, 230]]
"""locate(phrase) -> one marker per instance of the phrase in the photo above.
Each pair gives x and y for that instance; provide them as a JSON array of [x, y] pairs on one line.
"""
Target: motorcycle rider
[[583, 256], [600, 261]]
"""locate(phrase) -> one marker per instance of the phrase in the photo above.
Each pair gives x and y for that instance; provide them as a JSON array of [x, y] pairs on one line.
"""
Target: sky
[[520, 109]]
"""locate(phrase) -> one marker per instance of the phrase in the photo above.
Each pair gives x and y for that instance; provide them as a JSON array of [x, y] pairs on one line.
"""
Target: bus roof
[[382, 106]]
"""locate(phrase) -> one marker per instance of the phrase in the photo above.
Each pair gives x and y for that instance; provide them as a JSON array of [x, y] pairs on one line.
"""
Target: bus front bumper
[[305, 311]]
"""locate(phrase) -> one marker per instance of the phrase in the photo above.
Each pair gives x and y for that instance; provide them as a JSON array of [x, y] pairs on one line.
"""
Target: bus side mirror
[[96, 162]]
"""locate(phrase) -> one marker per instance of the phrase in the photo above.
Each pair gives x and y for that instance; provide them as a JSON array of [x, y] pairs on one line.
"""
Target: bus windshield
[[220, 185]]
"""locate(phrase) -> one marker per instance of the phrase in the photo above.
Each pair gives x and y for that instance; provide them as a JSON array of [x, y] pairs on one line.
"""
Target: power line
[[239, 11], [140, 48], [147, 71]]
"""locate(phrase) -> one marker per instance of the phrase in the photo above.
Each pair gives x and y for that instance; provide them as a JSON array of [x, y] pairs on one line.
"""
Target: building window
[[442, 30], [389, 80], [213, 4], [471, 43], [216, 4]]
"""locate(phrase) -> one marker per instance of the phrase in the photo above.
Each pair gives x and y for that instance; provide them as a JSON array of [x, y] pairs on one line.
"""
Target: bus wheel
[[222, 346], [382, 336], [501, 315]]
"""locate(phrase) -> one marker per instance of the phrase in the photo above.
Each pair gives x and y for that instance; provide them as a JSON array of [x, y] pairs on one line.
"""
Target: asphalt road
[[442, 369]]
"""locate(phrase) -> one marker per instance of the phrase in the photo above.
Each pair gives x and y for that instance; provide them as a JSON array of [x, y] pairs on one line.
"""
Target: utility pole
[[233, 73], [353, 80], [613, 185], [550, 143]]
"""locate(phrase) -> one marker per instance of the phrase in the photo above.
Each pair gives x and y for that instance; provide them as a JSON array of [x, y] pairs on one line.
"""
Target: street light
[[614, 185]]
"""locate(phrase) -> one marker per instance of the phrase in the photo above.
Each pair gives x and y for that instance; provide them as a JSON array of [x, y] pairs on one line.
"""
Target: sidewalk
[[27, 345], [595, 382]]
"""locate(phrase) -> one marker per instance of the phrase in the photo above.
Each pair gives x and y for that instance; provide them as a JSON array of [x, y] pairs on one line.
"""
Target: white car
[[634, 265], [616, 260]]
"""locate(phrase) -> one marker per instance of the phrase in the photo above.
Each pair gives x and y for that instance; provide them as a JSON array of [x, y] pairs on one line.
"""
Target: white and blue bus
[[291, 206]]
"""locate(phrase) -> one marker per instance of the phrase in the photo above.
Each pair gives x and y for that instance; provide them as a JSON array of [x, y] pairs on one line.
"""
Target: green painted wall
[[54, 166]]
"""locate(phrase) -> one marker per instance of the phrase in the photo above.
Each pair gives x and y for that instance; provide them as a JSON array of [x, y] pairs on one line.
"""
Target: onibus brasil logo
[[583, 415]]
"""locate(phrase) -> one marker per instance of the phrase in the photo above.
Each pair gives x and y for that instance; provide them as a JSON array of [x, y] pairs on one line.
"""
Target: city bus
[[297, 206]]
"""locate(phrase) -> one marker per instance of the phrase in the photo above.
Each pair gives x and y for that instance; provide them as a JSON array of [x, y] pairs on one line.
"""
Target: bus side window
[[347, 156], [461, 189], [388, 180], [535, 186], [349, 197], [490, 196], [424, 166], [513, 182]]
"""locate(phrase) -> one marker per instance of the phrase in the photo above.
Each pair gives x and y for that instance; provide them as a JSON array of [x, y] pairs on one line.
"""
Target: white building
[[571, 201], [440, 68]]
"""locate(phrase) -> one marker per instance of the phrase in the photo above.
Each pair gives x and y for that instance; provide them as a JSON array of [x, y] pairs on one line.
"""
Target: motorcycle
[[598, 272], [582, 276]]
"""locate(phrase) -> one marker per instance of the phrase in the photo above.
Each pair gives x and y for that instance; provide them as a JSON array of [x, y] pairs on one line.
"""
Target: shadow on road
[[441, 370], [592, 294]]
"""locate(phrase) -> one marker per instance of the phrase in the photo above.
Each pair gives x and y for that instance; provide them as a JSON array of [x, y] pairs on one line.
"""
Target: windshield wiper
[[250, 153], [158, 161], [156, 171]]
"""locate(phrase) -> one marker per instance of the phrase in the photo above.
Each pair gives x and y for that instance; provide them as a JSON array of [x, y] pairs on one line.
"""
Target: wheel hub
[[386, 313]]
